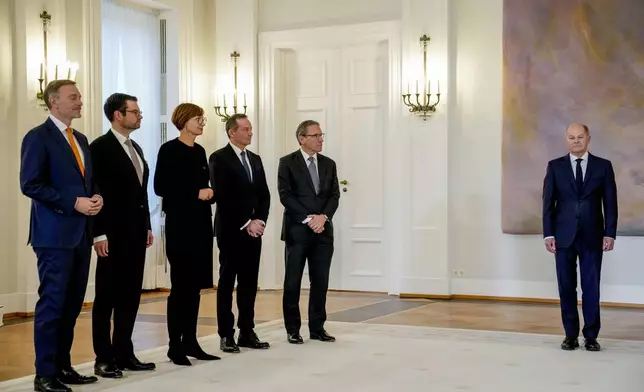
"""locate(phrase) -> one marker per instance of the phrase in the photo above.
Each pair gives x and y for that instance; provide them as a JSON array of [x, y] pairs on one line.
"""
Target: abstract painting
[[565, 61]]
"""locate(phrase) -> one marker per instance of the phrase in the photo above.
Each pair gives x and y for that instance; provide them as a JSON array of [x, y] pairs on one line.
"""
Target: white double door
[[344, 88]]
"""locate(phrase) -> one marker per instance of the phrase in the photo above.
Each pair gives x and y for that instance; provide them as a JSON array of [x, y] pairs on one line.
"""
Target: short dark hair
[[116, 102], [304, 125], [231, 123], [53, 88]]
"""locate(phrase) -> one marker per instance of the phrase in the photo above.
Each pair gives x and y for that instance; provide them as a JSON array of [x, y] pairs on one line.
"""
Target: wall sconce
[[43, 78], [234, 56], [424, 107]]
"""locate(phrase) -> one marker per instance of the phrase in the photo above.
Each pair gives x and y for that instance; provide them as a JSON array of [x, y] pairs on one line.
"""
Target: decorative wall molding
[[271, 48]]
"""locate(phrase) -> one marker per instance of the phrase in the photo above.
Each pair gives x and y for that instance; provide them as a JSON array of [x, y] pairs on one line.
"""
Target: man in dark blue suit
[[56, 174], [575, 189]]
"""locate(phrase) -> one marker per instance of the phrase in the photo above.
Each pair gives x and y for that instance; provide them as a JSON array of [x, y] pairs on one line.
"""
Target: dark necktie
[[579, 175], [246, 167]]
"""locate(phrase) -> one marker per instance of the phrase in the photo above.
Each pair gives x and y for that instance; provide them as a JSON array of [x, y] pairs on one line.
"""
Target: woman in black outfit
[[182, 180]]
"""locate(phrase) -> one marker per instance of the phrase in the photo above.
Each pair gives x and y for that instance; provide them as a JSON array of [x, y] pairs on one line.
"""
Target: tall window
[[131, 65]]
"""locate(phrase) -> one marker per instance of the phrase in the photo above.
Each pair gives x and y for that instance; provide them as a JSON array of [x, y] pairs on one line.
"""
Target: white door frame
[[271, 118]]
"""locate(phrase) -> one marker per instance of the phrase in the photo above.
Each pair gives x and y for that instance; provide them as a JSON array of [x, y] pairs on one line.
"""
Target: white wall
[[299, 14], [8, 166], [493, 263]]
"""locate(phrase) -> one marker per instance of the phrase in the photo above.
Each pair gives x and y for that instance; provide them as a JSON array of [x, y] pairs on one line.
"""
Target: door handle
[[344, 182]]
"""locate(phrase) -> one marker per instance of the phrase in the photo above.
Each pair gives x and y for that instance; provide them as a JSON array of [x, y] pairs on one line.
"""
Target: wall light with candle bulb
[[423, 106], [66, 70], [222, 111]]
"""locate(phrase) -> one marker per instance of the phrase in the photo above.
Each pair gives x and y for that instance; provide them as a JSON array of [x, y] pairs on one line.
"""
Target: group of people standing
[[95, 195]]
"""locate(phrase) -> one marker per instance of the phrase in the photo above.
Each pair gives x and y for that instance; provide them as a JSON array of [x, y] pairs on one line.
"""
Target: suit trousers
[[239, 255], [63, 275], [590, 264], [119, 279], [318, 249]]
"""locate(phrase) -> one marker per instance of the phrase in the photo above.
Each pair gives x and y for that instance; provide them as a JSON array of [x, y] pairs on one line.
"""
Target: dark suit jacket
[[238, 200], [125, 200], [297, 194], [565, 212], [51, 178]]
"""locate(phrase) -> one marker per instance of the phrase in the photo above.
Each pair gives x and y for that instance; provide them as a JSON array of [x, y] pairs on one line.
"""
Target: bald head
[[577, 138]]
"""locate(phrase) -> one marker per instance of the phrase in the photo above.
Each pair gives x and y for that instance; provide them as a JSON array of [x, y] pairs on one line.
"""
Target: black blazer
[[125, 200], [297, 193], [564, 210], [237, 199]]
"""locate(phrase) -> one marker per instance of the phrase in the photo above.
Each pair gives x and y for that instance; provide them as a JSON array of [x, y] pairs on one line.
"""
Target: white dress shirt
[[122, 139], [306, 157], [308, 163], [63, 128], [584, 164], [238, 152]]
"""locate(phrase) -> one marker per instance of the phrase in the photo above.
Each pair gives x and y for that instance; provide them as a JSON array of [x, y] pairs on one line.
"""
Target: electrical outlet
[[455, 272]]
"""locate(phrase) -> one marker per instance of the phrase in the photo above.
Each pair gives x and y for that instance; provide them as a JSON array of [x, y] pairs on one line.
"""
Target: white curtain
[[131, 65]]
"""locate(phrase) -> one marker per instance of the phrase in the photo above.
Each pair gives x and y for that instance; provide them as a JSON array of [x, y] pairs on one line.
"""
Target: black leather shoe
[[569, 344], [322, 336], [71, 376], [178, 357], [135, 365], [194, 350], [228, 345], [50, 384], [251, 340], [107, 370], [295, 338], [592, 345]]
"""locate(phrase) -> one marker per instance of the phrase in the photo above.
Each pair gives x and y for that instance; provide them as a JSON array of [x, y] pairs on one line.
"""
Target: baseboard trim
[[490, 298], [86, 305], [16, 315]]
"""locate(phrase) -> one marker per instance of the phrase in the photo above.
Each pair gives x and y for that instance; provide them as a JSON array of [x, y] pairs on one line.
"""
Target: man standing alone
[[575, 189]]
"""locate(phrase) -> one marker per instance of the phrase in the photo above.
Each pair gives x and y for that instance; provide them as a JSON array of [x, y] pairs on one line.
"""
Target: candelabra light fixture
[[68, 69], [222, 110], [423, 106]]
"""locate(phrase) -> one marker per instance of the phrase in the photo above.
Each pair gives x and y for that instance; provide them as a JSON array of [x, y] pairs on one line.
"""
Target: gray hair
[[304, 125]]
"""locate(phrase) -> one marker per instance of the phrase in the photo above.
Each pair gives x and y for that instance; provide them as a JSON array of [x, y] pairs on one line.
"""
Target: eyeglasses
[[317, 135], [135, 112], [201, 120]]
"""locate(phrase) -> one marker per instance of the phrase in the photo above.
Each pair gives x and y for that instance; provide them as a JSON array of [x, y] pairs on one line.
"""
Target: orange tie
[[75, 150]]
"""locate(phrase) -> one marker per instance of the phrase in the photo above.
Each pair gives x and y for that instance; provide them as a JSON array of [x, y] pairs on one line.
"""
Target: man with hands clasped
[[56, 173], [309, 190], [243, 200]]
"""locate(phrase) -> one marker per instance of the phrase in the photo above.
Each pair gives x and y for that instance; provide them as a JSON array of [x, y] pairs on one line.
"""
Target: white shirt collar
[[307, 156], [61, 125], [573, 158], [122, 139], [238, 151]]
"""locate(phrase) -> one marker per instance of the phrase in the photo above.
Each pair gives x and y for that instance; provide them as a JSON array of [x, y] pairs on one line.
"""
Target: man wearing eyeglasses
[[243, 200], [122, 232], [309, 190]]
